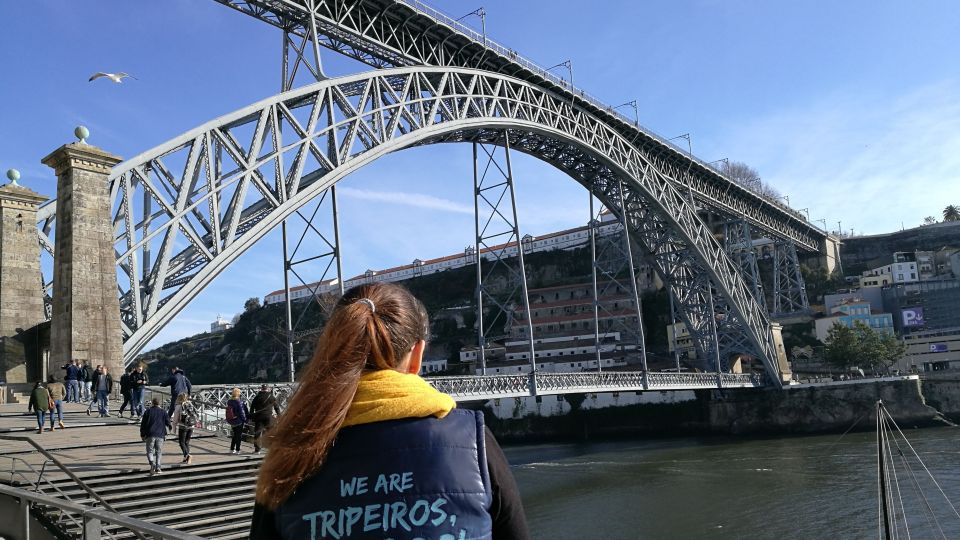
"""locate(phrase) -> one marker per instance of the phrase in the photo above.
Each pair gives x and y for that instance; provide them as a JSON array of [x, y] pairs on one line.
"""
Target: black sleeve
[[509, 521], [262, 525]]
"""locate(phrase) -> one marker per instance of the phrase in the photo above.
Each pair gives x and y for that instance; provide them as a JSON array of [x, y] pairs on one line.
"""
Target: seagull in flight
[[115, 77]]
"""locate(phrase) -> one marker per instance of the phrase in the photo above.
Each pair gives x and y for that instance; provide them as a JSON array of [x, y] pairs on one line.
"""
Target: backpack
[[188, 415], [231, 414]]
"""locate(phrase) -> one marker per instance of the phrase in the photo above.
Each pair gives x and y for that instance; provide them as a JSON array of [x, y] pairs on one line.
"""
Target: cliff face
[[801, 410], [862, 251]]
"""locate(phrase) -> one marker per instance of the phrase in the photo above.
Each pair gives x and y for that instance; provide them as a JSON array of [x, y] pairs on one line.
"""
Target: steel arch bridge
[[186, 209], [224, 185]]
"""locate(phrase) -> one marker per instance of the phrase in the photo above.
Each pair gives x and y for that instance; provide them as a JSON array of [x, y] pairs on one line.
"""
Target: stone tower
[[85, 322], [21, 287]]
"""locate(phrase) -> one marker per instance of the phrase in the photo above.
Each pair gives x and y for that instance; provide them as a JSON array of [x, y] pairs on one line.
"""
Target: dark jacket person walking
[[153, 430], [262, 407]]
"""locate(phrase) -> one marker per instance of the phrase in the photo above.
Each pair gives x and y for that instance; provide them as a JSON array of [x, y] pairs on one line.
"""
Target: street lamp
[[821, 220], [684, 136], [784, 197], [636, 111], [567, 64], [479, 12], [805, 210]]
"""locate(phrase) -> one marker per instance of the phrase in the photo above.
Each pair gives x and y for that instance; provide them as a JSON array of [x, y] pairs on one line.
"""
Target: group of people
[[182, 417]]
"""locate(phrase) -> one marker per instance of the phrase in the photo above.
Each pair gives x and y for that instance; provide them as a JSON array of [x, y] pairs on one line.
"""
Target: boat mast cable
[[892, 472], [884, 524], [926, 502], [922, 464]]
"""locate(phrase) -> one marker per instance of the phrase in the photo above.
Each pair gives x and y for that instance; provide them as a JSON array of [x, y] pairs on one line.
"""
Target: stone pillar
[[86, 309], [21, 285], [783, 365]]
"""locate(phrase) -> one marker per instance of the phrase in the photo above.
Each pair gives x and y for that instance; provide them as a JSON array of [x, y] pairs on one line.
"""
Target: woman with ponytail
[[368, 449]]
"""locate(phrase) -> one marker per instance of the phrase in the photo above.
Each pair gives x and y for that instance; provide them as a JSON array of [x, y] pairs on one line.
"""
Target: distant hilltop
[[864, 251]]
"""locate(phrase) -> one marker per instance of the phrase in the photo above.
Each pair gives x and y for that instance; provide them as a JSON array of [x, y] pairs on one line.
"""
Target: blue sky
[[849, 108]]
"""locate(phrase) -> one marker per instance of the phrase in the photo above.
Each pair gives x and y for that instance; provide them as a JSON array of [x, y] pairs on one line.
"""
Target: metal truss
[[497, 232], [383, 33], [614, 262], [323, 242], [738, 243], [789, 290], [216, 190], [211, 400]]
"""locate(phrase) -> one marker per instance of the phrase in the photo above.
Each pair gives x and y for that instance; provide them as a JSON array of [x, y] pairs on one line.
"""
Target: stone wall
[[21, 290], [86, 311], [832, 407]]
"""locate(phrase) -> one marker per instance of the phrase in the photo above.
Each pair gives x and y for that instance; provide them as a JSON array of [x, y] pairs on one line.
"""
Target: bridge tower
[[21, 293], [85, 322]]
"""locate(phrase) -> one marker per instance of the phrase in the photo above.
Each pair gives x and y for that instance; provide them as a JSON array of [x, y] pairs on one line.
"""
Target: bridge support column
[[789, 290], [496, 237], [738, 243], [21, 293], [85, 322]]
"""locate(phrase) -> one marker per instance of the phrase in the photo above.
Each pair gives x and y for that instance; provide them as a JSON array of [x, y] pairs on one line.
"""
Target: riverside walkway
[[98, 466]]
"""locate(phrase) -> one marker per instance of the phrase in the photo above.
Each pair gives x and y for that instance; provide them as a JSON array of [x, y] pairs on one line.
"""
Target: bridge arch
[[223, 194]]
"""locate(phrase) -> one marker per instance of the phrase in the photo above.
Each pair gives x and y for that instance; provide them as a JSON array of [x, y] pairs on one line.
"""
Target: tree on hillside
[[863, 347], [251, 304], [929, 220], [951, 213], [742, 174], [749, 178]]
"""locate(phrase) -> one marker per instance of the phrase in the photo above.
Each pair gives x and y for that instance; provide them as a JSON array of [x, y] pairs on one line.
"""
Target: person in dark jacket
[[402, 448], [153, 430], [179, 384], [103, 387], [72, 380], [86, 381], [40, 403], [139, 381], [126, 385], [237, 414], [262, 407]]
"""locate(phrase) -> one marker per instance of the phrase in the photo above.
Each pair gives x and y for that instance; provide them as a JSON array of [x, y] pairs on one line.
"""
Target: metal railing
[[64, 469], [91, 520], [210, 400]]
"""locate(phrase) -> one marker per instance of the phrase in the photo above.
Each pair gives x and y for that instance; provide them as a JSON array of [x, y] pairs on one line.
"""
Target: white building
[[566, 240], [220, 325]]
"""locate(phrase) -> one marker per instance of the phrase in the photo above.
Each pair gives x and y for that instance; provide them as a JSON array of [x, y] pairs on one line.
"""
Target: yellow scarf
[[390, 395]]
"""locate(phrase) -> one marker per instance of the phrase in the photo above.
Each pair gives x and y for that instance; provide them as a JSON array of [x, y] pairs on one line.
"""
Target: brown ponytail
[[357, 337]]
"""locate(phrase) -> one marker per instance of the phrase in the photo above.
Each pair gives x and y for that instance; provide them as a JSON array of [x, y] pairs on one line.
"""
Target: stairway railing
[[66, 470], [91, 520]]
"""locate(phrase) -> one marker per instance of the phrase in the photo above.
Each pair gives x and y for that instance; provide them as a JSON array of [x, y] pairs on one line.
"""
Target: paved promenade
[[90, 445]]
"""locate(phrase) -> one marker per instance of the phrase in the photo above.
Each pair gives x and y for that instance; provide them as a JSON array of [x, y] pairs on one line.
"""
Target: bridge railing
[[517, 58], [211, 400], [91, 521]]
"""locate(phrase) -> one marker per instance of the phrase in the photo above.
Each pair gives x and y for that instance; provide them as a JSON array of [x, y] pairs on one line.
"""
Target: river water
[[780, 488]]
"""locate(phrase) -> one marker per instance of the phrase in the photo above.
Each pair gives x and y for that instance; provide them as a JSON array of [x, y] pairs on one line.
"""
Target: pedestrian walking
[[103, 385], [400, 443], [58, 393], [72, 378], [126, 386], [86, 378], [237, 414], [179, 384], [39, 403], [185, 419], [262, 407], [153, 430], [89, 396], [139, 380]]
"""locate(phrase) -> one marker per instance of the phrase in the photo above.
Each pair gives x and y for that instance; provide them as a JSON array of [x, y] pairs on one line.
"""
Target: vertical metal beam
[[523, 268], [481, 337], [633, 287], [673, 324], [287, 77], [713, 328], [91, 528], [593, 266]]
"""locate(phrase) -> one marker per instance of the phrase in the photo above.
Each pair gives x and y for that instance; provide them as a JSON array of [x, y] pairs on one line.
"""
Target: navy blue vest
[[417, 478]]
